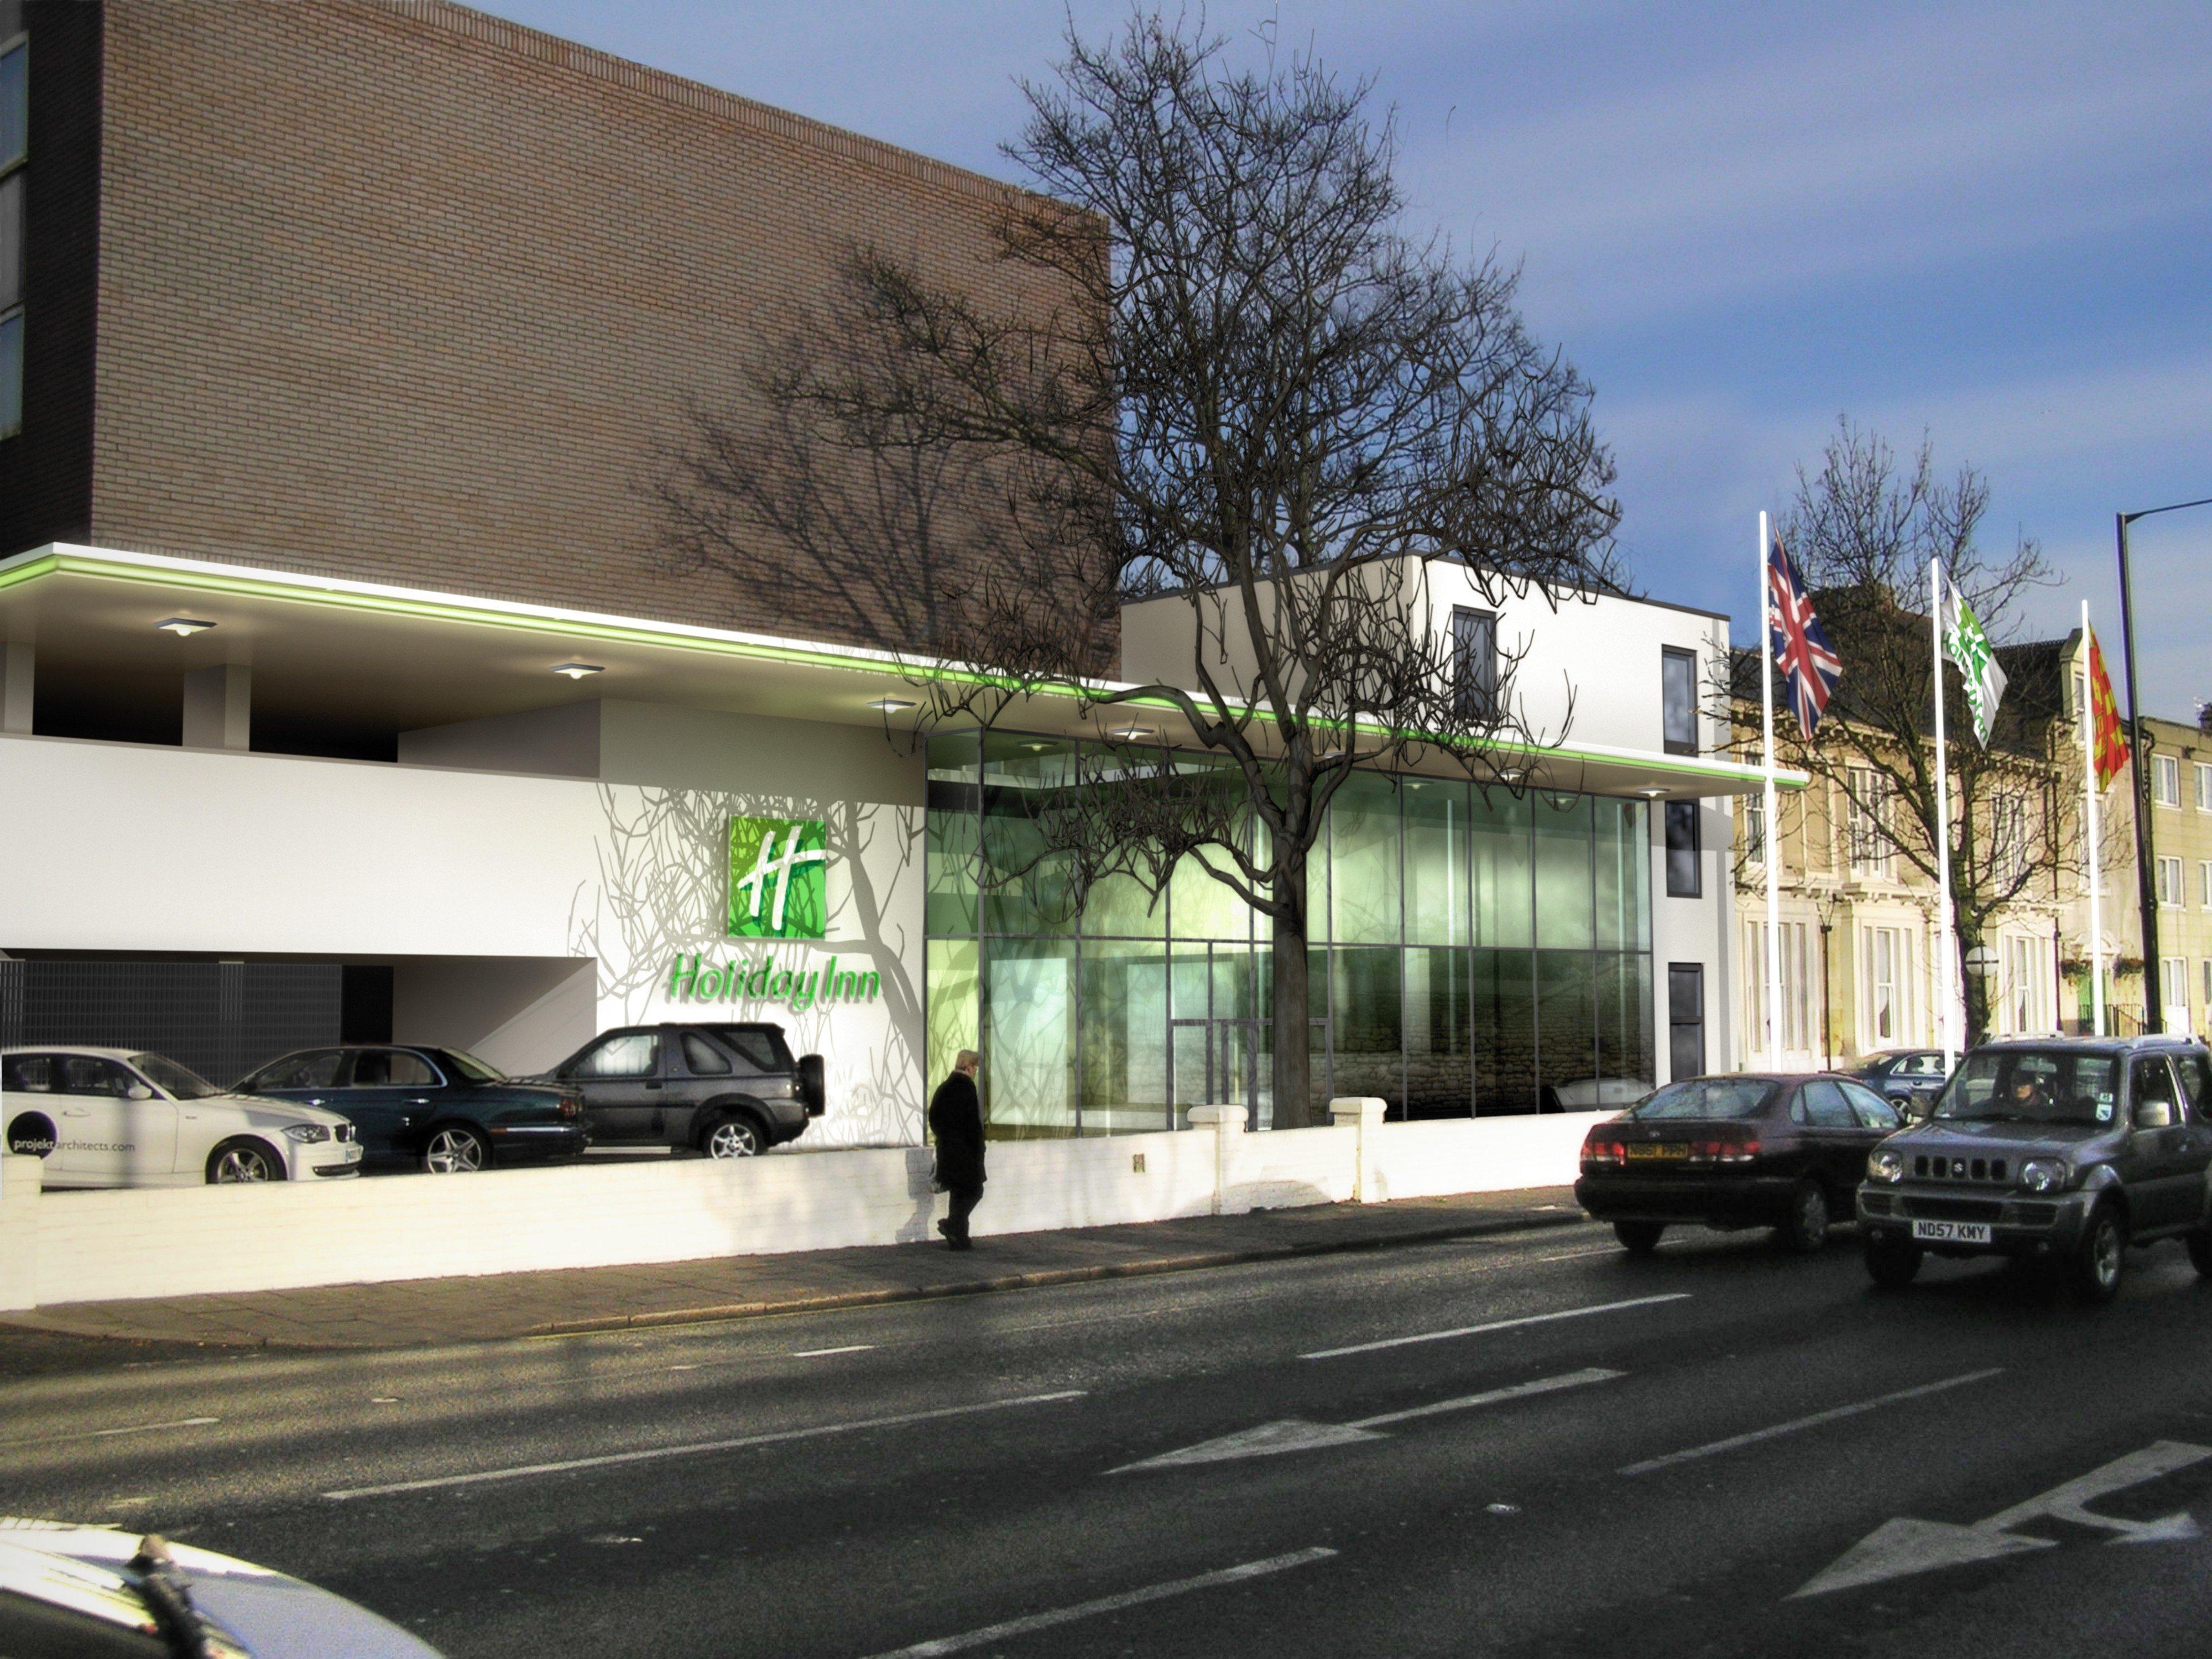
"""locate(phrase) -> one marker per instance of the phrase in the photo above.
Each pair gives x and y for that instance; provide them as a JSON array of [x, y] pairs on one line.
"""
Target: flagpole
[[1945, 947], [2087, 715], [1773, 978]]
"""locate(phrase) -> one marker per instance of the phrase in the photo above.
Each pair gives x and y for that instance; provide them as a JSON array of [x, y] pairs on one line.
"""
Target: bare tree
[[1227, 380], [1862, 529]]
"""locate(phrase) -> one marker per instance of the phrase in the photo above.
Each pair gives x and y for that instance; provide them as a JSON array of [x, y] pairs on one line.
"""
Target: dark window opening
[[1684, 878], [1475, 663], [1685, 1020], [1678, 683]]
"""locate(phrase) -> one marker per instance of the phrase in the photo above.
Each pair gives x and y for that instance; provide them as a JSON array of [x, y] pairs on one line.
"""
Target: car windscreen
[[2031, 1085], [470, 1067], [1706, 1098], [180, 1081]]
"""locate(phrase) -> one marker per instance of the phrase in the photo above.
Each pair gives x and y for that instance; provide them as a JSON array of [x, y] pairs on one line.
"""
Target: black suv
[[2063, 1151], [726, 1091]]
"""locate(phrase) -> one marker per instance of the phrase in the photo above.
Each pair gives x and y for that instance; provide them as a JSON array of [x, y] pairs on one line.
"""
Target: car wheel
[[1639, 1238], [2200, 1252], [1805, 1231], [456, 1149], [235, 1163], [1893, 1264], [2100, 1259], [732, 1137]]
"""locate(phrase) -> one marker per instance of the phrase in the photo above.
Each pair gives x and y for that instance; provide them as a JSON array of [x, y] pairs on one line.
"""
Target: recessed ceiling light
[[576, 670], [890, 705], [1132, 733], [183, 626], [1651, 794]]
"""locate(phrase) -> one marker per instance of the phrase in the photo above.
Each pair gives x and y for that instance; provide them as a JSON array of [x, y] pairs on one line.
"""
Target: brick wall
[[46, 469], [393, 290]]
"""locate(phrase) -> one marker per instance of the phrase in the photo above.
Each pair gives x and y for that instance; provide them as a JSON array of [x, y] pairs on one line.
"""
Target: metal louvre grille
[[1939, 1168], [220, 1018]]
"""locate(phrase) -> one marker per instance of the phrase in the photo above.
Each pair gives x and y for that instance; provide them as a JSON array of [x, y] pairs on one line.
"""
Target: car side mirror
[[138, 1091], [2154, 1114]]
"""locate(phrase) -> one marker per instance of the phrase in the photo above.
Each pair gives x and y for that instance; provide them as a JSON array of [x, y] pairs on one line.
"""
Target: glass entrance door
[[1221, 1062]]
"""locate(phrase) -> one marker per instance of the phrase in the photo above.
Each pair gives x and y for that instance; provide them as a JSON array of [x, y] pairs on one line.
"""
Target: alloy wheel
[[241, 1164], [733, 1138], [453, 1151]]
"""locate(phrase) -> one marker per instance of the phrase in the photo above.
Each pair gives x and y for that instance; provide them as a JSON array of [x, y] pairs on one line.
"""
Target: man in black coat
[[956, 1120]]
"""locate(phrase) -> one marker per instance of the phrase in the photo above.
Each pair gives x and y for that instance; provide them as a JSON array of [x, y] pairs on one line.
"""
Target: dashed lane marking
[[1036, 1621], [1834, 1414], [104, 1434], [822, 1353], [608, 1459], [1498, 1325]]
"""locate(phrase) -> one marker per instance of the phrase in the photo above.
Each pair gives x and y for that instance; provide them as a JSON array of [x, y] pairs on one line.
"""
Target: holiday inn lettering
[[797, 990]]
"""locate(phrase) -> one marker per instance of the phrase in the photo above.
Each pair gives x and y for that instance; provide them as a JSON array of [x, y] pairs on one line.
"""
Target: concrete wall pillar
[[219, 707], [19, 664], [1225, 1121], [19, 1229], [1364, 1114]]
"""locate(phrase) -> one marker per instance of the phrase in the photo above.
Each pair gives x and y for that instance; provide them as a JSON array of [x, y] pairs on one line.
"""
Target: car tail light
[[571, 1106], [1736, 1151], [1601, 1149]]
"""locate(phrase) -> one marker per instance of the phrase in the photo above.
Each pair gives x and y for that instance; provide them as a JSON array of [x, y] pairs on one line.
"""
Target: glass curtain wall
[[1472, 953]]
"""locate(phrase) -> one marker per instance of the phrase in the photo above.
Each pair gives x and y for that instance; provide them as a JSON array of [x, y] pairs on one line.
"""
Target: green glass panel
[[1025, 889], [1364, 828], [1029, 1019], [950, 852], [1119, 907], [1125, 1037], [1504, 1034], [1436, 900], [1439, 1039], [1624, 1025], [1564, 888], [1367, 1000], [952, 1015], [1503, 869], [1234, 985], [1566, 1026], [1624, 874], [1191, 980], [1200, 906]]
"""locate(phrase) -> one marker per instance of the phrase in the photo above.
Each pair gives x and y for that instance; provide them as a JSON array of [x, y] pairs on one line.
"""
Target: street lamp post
[[2146, 869]]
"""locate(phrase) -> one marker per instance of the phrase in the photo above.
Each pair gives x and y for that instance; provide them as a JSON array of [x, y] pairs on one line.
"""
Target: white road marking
[[1038, 1621], [608, 1459], [103, 1434], [1469, 1403], [1292, 1434], [1834, 1414], [1498, 1325], [1576, 1256], [1902, 1546], [818, 1353]]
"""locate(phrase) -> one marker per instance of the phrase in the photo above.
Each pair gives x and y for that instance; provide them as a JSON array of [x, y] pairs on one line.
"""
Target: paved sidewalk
[[494, 1307]]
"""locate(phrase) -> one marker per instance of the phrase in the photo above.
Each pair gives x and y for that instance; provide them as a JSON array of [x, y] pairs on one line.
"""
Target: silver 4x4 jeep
[[2060, 1150]]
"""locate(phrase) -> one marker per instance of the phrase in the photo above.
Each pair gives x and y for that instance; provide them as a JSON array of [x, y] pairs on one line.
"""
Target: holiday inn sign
[[779, 879]]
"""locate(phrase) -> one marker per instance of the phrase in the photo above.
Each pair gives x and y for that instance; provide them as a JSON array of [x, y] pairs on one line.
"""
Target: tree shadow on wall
[[662, 892]]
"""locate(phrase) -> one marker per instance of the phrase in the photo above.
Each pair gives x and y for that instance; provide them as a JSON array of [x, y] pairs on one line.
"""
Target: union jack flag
[[1809, 665]]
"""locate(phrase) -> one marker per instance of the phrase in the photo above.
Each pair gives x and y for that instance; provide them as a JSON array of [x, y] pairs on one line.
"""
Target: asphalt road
[[1584, 1455]]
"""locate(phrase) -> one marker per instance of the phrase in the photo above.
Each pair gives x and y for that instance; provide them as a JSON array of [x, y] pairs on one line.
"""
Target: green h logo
[[779, 886]]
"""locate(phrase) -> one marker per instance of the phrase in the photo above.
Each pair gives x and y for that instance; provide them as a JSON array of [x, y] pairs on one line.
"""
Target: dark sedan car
[[1909, 1079], [1747, 1151], [439, 1110]]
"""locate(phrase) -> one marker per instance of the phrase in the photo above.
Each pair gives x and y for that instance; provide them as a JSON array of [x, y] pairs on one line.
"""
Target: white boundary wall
[[102, 1246]]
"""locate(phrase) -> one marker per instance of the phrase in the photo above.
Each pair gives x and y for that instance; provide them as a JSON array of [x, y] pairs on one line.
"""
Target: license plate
[[1952, 1232], [1641, 1149], [352, 1154]]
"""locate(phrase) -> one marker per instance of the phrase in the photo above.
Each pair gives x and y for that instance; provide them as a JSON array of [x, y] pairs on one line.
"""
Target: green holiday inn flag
[[1966, 645]]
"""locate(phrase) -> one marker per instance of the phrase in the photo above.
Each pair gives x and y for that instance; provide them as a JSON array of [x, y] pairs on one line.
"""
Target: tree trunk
[[1973, 987], [1290, 1010]]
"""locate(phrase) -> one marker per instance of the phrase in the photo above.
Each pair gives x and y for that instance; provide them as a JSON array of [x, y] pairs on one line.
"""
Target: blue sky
[[1988, 224]]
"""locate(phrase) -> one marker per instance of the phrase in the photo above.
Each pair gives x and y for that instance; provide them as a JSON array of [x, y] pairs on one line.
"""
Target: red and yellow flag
[[2108, 740]]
